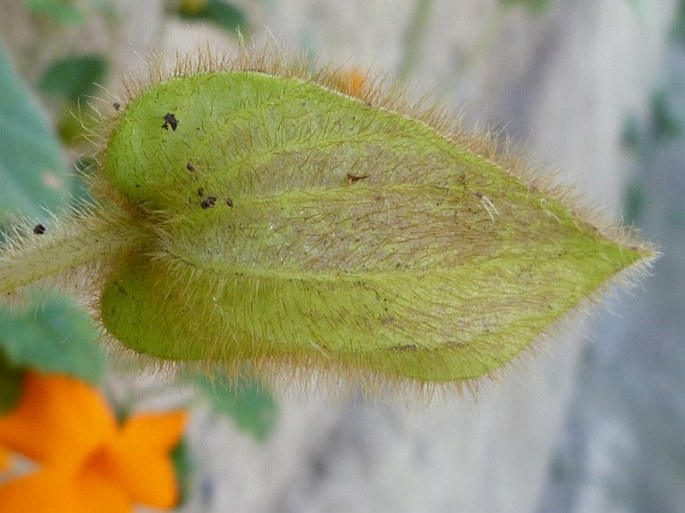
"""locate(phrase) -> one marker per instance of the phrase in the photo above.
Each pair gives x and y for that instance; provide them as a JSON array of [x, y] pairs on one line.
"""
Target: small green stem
[[81, 240]]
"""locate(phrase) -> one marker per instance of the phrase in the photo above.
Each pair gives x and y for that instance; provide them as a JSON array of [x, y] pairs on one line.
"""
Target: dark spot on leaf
[[403, 348], [116, 105], [355, 178], [190, 167], [39, 229], [170, 121], [208, 202]]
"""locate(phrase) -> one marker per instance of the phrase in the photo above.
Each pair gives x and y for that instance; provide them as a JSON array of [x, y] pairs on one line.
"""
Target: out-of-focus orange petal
[[356, 82], [99, 493], [350, 82], [5, 459], [160, 431], [138, 459], [58, 418], [57, 490], [42, 492]]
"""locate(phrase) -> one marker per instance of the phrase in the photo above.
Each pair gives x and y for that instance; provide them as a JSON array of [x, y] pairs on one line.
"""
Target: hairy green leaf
[[274, 219]]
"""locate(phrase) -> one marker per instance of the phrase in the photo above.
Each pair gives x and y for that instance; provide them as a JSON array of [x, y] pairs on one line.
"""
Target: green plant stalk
[[67, 245]]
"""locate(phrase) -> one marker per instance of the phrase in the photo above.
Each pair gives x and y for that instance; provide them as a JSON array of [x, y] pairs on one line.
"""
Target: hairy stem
[[80, 240]]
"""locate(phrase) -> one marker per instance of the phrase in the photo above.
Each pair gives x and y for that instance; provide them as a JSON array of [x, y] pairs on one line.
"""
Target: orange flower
[[5, 459], [88, 463], [350, 82]]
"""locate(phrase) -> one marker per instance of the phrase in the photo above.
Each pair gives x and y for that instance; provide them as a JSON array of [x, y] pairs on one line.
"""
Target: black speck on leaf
[[355, 178], [39, 229], [208, 202], [170, 121]]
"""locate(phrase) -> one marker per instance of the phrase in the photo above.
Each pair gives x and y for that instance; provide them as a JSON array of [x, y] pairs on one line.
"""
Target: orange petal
[[98, 493], [356, 83], [138, 459], [5, 459], [350, 82], [42, 492], [58, 419], [57, 490]]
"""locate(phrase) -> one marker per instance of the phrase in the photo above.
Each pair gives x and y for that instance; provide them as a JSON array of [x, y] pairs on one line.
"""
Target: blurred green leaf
[[641, 7], [11, 380], [54, 338], [633, 137], [678, 31], [223, 14], [105, 7], [665, 121], [534, 6], [251, 406], [85, 165], [32, 169], [64, 12], [77, 121], [634, 202], [184, 467], [74, 77]]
